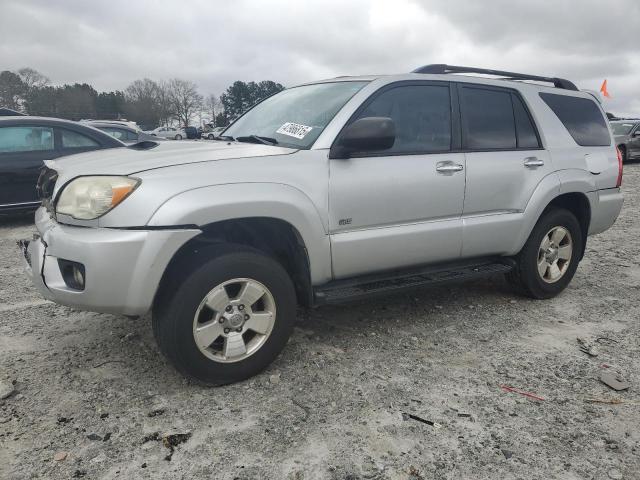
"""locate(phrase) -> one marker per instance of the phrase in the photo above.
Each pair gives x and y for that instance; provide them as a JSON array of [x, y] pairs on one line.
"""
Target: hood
[[127, 161]]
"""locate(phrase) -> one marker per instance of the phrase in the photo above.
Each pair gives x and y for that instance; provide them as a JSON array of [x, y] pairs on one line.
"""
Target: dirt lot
[[95, 388]]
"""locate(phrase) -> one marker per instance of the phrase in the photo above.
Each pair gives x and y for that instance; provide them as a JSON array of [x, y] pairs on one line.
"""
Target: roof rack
[[441, 68]]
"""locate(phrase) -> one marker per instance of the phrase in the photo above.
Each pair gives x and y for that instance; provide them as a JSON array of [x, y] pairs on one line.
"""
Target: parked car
[[191, 133], [213, 133], [168, 132], [123, 133], [627, 137], [327, 192], [25, 142], [124, 123]]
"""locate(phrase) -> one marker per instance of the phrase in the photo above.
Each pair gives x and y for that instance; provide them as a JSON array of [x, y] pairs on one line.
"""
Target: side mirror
[[366, 134]]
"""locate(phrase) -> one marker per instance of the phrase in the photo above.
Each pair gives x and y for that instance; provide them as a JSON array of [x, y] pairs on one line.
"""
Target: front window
[[622, 128], [294, 117]]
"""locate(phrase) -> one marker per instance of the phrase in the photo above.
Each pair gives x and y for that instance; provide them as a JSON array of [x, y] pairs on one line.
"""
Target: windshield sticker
[[294, 130]]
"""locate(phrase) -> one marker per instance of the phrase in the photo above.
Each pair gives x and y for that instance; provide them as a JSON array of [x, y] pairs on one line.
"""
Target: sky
[[111, 43]]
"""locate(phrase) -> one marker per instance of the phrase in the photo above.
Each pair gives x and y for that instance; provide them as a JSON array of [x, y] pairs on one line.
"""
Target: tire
[[175, 324], [533, 275], [210, 137], [178, 137], [623, 153]]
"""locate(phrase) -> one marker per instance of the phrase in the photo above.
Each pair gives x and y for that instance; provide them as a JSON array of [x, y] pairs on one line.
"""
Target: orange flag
[[603, 89]]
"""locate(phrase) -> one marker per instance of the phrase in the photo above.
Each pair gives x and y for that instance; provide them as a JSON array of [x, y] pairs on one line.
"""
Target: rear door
[[70, 142], [23, 148], [505, 163], [402, 206]]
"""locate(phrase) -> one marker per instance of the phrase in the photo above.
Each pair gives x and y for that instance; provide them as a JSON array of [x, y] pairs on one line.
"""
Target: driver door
[[400, 207]]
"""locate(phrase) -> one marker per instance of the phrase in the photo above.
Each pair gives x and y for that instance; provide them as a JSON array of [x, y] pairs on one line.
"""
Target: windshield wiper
[[257, 139]]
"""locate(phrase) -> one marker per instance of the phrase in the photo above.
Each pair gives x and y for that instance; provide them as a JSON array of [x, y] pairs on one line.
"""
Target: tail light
[[619, 182]]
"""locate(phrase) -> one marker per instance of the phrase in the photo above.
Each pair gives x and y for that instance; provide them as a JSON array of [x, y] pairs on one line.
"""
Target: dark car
[[25, 142], [122, 132], [192, 132], [627, 137]]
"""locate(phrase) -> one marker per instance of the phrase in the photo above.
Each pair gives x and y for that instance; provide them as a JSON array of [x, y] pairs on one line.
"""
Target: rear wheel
[[210, 137], [178, 137], [228, 319], [549, 259]]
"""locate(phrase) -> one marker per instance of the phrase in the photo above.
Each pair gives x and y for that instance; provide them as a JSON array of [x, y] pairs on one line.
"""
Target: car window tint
[[72, 139], [118, 133], [25, 139], [581, 117], [487, 119], [422, 116], [526, 133]]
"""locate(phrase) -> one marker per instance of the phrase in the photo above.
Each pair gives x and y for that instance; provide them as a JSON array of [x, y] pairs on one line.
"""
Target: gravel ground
[[93, 398]]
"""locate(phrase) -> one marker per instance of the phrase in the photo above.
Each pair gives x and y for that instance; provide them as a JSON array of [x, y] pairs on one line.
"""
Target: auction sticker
[[294, 130]]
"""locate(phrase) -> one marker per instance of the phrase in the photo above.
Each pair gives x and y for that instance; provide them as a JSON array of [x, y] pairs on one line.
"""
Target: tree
[[184, 100], [212, 104], [12, 90], [32, 79], [144, 103], [110, 105], [241, 96]]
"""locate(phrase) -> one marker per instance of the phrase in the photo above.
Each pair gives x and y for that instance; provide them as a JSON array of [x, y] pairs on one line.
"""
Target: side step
[[339, 291]]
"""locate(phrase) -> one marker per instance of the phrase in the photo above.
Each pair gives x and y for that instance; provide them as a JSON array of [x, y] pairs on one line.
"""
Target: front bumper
[[123, 267]]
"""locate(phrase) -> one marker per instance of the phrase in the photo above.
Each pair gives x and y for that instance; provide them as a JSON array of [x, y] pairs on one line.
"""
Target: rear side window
[[72, 139], [421, 113], [581, 117], [525, 131], [488, 119], [25, 139]]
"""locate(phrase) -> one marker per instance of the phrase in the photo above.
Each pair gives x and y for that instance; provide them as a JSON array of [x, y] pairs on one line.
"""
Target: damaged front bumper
[[121, 268]]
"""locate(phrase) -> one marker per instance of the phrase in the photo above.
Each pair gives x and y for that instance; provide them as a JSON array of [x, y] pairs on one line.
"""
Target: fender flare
[[551, 187], [206, 205]]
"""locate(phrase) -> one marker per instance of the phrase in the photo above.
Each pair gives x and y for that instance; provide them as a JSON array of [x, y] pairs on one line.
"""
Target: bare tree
[[184, 99], [213, 106], [33, 79]]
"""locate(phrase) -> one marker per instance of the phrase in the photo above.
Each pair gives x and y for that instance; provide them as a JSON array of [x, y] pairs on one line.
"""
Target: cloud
[[109, 44]]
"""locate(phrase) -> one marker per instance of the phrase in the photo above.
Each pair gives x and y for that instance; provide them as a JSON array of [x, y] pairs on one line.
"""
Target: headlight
[[86, 198]]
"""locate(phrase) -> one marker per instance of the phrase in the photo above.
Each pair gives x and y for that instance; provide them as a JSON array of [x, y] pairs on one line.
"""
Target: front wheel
[[229, 319], [178, 137], [210, 137], [549, 259]]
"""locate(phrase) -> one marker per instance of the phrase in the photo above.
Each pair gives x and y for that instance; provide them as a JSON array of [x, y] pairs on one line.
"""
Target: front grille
[[45, 186]]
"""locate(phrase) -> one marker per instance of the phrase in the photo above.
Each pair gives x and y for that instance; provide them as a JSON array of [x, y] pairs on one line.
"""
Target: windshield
[[622, 128], [295, 117]]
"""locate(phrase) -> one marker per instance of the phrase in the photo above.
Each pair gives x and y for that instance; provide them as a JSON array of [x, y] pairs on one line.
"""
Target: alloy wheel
[[234, 320]]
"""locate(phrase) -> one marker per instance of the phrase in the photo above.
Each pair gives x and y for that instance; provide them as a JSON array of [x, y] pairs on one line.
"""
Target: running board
[[339, 291]]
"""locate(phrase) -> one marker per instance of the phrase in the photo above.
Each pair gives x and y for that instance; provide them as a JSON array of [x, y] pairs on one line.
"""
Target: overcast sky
[[111, 43]]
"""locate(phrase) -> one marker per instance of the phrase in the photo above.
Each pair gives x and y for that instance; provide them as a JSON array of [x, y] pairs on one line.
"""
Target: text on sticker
[[294, 130]]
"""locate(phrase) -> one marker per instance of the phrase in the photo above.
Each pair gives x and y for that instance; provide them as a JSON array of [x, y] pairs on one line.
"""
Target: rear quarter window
[[581, 117]]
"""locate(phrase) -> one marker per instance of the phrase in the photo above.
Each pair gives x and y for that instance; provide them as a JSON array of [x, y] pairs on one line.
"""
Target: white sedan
[[168, 132]]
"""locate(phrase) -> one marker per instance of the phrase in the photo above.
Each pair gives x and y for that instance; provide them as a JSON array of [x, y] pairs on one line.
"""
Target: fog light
[[73, 274]]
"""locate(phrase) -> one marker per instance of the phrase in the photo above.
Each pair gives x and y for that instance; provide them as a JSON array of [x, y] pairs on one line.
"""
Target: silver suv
[[326, 192]]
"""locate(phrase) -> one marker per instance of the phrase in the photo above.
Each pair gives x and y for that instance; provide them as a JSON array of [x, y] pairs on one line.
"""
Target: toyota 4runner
[[325, 192]]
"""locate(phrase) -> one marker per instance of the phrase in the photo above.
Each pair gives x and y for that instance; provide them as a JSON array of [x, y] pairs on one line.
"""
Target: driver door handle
[[533, 162], [449, 167]]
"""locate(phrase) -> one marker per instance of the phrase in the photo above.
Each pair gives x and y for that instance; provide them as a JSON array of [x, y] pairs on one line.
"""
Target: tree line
[[149, 103]]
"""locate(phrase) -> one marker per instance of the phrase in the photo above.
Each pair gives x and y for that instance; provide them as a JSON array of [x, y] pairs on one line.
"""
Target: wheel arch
[[268, 235]]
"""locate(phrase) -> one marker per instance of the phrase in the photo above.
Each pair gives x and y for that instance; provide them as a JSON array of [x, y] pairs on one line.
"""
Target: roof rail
[[441, 68]]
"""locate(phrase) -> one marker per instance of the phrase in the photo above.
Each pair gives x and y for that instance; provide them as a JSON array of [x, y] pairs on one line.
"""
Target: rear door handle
[[449, 167], [533, 162]]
